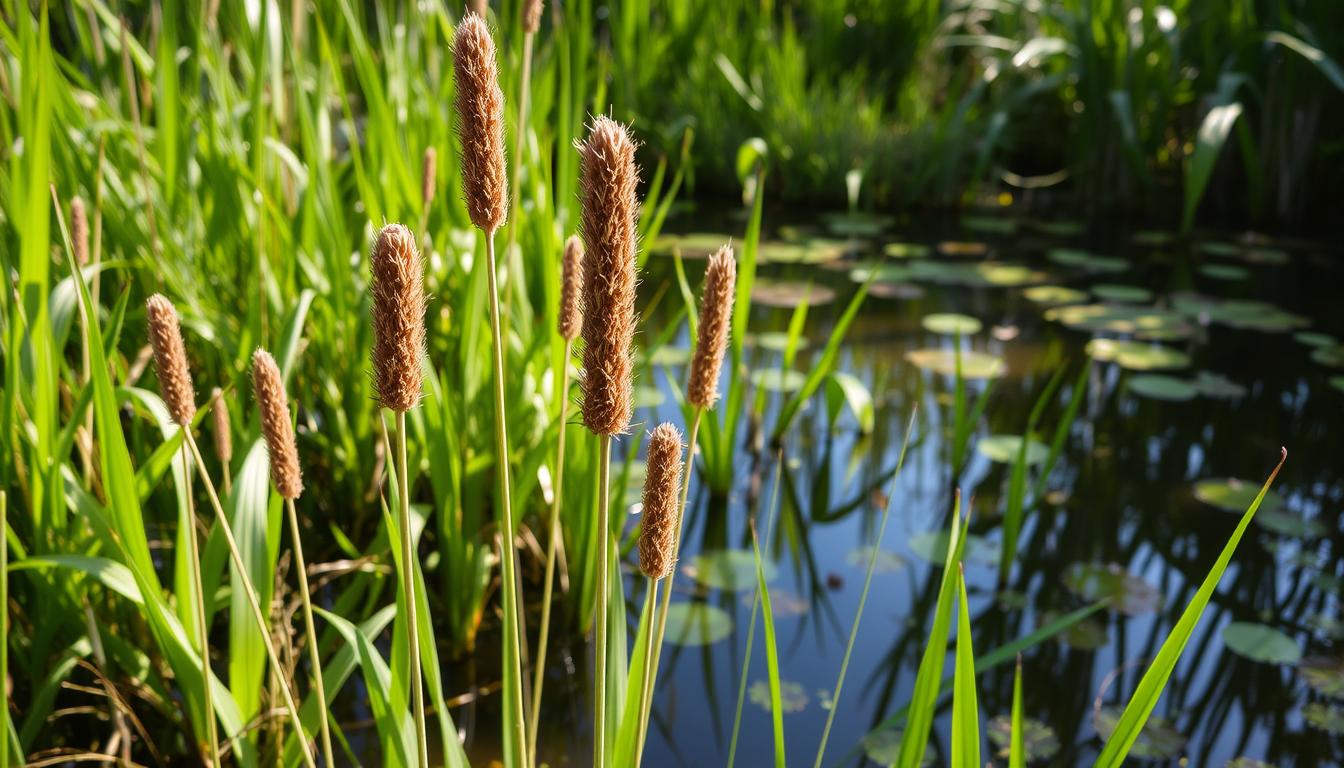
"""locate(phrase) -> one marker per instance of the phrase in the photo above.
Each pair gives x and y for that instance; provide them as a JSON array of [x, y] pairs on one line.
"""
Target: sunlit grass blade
[[1017, 757], [771, 654], [965, 707], [1145, 697]]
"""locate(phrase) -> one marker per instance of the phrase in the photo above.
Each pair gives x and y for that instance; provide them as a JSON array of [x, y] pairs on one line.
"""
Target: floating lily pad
[[886, 562], [811, 251], [1059, 228], [907, 250], [961, 248], [880, 273], [776, 380], [1218, 248], [1265, 256], [1162, 387], [974, 365], [1153, 237], [1147, 323], [697, 624], [1241, 314], [1086, 260], [775, 341], [1289, 524], [1315, 339], [1038, 739], [991, 224], [1004, 448], [1331, 357], [1326, 717], [1234, 495], [1126, 592], [788, 294], [1262, 643], [1124, 294], [695, 245], [1086, 635], [782, 602], [857, 223], [898, 291], [792, 696], [883, 746], [1224, 271], [1054, 295], [727, 569], [983, 274], [951, 324], [1324, 674], [931, 547], [1218, 386], [1137, 356], [1159, 739]]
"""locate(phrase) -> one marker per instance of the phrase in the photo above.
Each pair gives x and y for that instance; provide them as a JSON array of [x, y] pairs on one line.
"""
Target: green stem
[[665, 605], [314, 654], [251, 594], [646, 692], [4, 622], [202, 624], [408, 591], [509, 555], [603, 589], [552, 544]]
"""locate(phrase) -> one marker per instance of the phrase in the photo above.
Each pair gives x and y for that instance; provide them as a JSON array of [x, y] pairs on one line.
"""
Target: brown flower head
[[532, 16], [427, 170], [79, 230], [398, 317], [219, 411], [269, 390], [170, 359], [662, 482], [716, 316], [480, 124], [608, 178], [571, 288]]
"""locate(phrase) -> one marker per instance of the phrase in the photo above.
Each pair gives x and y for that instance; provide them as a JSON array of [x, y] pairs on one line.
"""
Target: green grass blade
[[1145, 697], [771, 654], [965, 707], [1017, 757]]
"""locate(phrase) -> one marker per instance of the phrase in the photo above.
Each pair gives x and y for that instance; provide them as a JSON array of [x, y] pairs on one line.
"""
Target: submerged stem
[[313, 653]]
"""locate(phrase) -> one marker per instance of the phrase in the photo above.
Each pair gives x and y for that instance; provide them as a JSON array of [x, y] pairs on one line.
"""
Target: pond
[[1222, 351]]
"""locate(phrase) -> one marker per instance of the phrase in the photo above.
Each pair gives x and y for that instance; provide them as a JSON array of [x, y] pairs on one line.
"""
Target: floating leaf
[[956, 248], [782, 602], [991, 224], [1224, 271], [1218, 386], [974, 365], [1218, 248], [1054, 295], [1234, 495], [775, 341], [1147, 323], [777, 380], [1086, 260], [883, 746], [1137, 356], [1315, 339], [695, 245], [1265, 256], [1261, 643], [1087, 635], [1038, 739], [697, 624], [857, 223], [951, 324], [906, 250], [1326, 717], [1159, 739], [1161, 387], [1124, 294], [898, 291], [810, 251], [792, 696], [1331, 357], [1152, 237], [730, 570], [982, 274], [1325, 675], [886, 562], [1059, 228], [1126, 592], [879, 273], [931, 547], [1004, 448], [787, 294], [1289, 524]]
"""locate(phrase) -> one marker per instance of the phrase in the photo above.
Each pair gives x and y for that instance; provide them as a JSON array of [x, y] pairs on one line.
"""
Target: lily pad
[[962, 248], [1086, 260], [1124, 294], [1162, 387], [792, 696], [857, 223], [880, 273], [775, 341], [776, 380], [1330, 357], [1289, 524], [782, 602], [730, 570], [1218, 386], [1241, 314], [1126, 592], [974, 365], [1147, 323], [1234, 495], [1326, 717], [697, 624], [1262, 643], [1059, 228], [1324, 675], [694, 245], [1159, 739], [1038, 739], [883, 746], [788, 294], [1054, 295], [898, 291], [1218, 248], [1153, 237], [811, 251], [1086, 635], [886, 562], [1137, 356], [1224, 271], [1315, 339], [991, 224], [951, 324], [931, 547], [981, 274], [907, 250], [1265, 256], [1004, 448]]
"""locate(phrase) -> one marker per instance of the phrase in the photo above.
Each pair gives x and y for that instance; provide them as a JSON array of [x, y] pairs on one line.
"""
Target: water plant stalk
[[4, 621], [251, 593], [646, 689], [314, 653], [408, 589], [202, 625], [600, 655]]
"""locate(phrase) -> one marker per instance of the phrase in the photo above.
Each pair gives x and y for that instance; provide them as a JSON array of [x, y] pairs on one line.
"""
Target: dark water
[[1121, 493]]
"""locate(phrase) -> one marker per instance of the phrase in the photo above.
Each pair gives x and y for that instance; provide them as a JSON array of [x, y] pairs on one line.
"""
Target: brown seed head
[[716, 316], [662, 482], [79, 230], [571, 289], [427, 170], [269, 390], [398, 317], [480, 124], [607, 179], [219, 410], [170, 359], [532, 16]]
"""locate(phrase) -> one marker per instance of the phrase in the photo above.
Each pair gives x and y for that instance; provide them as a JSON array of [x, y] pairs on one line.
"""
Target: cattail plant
[[480, 130], [222, 431], [170, 362], [702, 392], [568, 325], [269, 389], [398, 291], [608, 179]]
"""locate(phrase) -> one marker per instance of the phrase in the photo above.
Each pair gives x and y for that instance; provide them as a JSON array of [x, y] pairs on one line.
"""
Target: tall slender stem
[[253, 602], [202, 624], [665, 605], [509, 555], [603, 588], [314, 654], [408, 592], [646, 691], [552, 544]]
